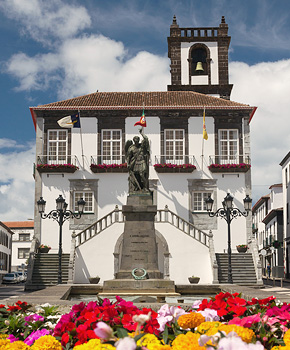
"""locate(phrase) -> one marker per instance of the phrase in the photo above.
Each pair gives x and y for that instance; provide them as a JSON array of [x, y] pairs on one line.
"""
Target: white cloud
[[265, 85], [16, 181], [46, 21], [87, 64]]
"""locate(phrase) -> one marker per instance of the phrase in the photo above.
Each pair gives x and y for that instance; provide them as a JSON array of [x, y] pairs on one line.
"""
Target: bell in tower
[[199, 59]]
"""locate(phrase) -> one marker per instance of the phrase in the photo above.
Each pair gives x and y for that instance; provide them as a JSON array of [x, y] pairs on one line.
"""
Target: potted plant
[[43, 248], [94, 280], [242, 248], [193, 279]]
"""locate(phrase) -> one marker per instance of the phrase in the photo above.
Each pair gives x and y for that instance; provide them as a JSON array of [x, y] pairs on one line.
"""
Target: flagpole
[[82, 146]]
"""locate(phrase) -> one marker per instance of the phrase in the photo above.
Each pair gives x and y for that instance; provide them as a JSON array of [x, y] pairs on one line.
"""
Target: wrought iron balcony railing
[[229, 159], [178, 160], [114, 159]]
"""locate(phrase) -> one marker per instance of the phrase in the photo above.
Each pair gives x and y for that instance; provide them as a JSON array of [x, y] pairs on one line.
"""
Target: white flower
[[126, 344], [141, 319]]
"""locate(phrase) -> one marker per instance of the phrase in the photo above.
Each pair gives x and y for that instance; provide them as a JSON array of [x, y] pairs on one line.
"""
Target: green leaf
[[165, 335], [122, 333], [139, 336]]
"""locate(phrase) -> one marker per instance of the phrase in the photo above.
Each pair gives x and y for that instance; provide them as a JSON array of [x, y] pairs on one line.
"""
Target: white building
[[285, 164], [5, 249], [21, 243], [71, 162], [268, 228]]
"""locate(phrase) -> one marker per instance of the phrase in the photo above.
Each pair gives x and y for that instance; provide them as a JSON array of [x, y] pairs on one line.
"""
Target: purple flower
[[34, 318], [12, 338], [35, 335]]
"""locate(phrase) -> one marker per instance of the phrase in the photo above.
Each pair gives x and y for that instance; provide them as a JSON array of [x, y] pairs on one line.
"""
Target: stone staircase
[[45, 270], [243, 270]]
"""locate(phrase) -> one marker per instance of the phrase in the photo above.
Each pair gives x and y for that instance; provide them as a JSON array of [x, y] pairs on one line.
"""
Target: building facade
[[89, 162], [285, 165], [5, 249], [21, 243]]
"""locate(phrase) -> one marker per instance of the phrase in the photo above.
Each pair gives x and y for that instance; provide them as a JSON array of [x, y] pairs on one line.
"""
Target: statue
[[137, 157]]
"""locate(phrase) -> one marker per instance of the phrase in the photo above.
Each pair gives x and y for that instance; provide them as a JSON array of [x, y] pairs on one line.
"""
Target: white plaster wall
[[85, 138], [213, 48], [15, 261], [276, 197], [95, 258], [187, 256]]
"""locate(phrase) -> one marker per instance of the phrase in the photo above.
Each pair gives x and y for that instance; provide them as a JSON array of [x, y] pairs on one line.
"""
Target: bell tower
[[199, 59]]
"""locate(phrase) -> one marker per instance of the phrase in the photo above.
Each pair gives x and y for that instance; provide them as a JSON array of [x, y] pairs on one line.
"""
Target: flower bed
[[221, 168], [225, 322], [109, 168], [56, 168], [174, 168]]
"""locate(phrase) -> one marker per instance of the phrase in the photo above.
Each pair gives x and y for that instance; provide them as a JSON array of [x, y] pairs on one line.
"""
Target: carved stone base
[[141, 286]]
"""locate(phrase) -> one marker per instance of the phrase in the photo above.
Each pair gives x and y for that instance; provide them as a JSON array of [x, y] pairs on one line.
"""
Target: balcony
[[229, 164], [113, 164], [57, 164], [174, 164]]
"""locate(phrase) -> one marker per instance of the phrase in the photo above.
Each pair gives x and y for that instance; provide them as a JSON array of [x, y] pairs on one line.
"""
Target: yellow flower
[[47, 342], [246, 334], [94, 344], [17, 345], [4, 336], [148, 340], [4, 342], [191, 320], [286, 337], [188, 341], [159, 347], [208, 327], [280, 347]]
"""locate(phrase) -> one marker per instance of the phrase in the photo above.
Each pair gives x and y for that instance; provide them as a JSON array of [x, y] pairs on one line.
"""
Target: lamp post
[[60, 214], [228, 213]]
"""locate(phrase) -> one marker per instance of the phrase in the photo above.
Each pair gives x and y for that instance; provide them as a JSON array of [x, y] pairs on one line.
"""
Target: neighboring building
[[285, 164], [71, 162], [21, 242], [5, 249], [268, 229]]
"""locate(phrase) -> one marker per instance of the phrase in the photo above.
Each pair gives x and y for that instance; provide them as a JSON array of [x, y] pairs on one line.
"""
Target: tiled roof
[[19, 224], [150, 100]]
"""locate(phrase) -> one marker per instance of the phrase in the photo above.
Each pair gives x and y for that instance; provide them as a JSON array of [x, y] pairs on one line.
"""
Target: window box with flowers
[[56, 168], [174, 168], [242, 248], [229, 168], [43, 248], [109, 168]]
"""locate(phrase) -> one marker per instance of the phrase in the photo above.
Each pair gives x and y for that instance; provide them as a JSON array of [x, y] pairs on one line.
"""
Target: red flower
[[64, 339]]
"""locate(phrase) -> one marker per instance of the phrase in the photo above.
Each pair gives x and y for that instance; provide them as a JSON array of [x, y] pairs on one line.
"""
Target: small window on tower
[[198, 61]]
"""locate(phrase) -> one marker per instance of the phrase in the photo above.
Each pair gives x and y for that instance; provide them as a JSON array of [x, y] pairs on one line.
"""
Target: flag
[[142, 121], [204, 133], [70, 121]]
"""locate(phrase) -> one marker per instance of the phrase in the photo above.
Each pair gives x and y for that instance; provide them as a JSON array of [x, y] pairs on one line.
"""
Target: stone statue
[[137, 157]]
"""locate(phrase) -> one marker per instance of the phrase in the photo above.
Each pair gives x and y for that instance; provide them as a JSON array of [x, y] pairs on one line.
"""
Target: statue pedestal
[[139, 249]]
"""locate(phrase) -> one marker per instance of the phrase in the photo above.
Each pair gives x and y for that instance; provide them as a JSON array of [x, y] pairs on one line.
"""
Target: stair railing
[[116, 216], [253, 245], [214, 264], [166, 215], [32, 252]]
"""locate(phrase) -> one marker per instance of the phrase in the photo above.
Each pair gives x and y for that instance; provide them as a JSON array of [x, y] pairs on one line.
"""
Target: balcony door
[[57, 147], [228, 146]]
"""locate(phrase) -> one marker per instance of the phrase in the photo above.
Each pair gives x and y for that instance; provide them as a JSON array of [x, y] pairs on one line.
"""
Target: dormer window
[[199, 61]]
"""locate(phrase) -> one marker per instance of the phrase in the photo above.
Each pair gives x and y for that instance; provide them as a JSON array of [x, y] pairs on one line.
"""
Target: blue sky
[[57, 49]]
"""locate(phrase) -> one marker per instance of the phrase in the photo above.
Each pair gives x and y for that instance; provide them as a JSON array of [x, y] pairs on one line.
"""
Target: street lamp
[[228, 213], [60, 214]]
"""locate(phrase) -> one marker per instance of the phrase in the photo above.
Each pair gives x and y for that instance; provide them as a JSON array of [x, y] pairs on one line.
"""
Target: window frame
[[26, 256], [111, 142], [205, 195], [228, 157], [83, 195], [24, 235], [174, 141], [57, 157]]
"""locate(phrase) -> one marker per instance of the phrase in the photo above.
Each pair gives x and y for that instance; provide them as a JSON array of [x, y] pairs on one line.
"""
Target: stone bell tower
[[199, 59]]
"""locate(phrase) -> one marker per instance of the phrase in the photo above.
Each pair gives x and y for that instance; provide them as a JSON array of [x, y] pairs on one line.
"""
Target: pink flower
[[103, 331]]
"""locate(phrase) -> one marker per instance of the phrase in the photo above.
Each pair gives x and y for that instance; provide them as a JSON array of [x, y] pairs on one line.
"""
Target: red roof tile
[[159, 99], [19, 224]]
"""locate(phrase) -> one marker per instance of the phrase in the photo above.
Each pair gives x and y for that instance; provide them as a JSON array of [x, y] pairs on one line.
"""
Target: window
[[23, 253], [24, 237], [228, 146], [198, 199], [57, 146], [111, 146], [87, 197], [174, 146]]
